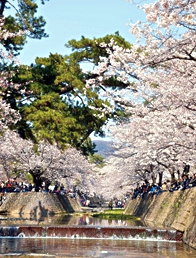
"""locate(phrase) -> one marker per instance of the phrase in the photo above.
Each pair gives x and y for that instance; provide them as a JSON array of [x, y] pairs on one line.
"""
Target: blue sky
[[70, 19]]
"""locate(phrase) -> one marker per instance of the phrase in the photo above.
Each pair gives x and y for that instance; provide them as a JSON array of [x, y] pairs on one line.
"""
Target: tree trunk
[[154, 178], [160, 178], [172, 175], [179, 175], [3, 2], [36, 181], [186, 169]]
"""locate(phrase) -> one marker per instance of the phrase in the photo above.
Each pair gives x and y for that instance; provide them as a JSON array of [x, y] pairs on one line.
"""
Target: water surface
[[58, 247], [73, 220], [71, 247]]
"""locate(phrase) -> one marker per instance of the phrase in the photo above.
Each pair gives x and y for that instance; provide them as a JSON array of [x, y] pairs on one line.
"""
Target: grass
[[115, 214]]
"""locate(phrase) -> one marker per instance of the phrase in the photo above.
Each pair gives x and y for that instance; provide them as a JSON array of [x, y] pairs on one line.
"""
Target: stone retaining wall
[[169, 209], [38, 203]]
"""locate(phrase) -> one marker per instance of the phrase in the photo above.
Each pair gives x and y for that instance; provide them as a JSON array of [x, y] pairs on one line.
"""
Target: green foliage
[[57, 106], [15, 43], [146, 102], [24, 19], [29, 178], [114, 214], [97, 159], [77, 182], [114, 211], [154, 85], [89, 50]]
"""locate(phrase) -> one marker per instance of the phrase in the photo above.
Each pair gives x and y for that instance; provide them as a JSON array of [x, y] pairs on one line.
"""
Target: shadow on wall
[[66, 203], [62, 205], [37, 213], [41, 204]]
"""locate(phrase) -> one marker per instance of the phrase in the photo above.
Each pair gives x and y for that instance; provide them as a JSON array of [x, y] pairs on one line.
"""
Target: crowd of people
[[13, 185], [186, 181], [116, 203]]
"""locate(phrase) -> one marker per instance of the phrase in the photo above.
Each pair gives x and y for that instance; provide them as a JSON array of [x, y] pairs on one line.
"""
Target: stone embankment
[[169, 210], [38, 203]]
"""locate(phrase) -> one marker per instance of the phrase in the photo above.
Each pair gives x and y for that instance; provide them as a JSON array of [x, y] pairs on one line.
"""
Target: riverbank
[[39, 204], [175, 210], [168, 210]]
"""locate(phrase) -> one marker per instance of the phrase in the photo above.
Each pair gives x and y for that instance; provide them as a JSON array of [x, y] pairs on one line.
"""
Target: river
[[84, 247], [102, 248]]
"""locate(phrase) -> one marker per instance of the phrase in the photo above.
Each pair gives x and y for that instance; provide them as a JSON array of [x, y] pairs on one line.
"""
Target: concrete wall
[[37, 203], [169, 209]]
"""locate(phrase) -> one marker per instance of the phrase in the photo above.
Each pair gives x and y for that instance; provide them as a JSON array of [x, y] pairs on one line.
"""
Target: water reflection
[[89, 220], [59, 247], [73, 220], [72, 247]]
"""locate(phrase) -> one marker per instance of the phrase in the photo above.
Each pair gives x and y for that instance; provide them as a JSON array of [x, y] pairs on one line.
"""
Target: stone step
[[92, 232]]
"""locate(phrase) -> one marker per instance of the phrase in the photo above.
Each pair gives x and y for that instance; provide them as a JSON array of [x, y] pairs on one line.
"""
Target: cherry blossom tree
[[8, 116], [43, 161], [19, 157], [159, 71]]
